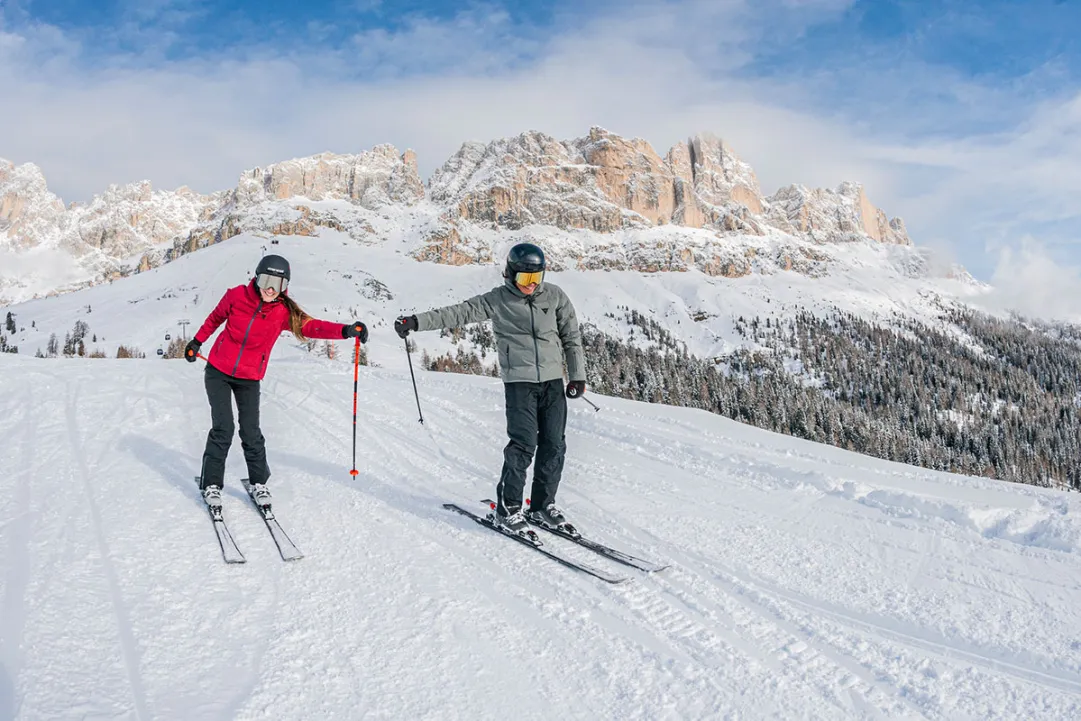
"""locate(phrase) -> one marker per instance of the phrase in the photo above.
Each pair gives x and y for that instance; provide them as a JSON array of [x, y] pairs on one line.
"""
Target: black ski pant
[[220, 390], [536, 421]]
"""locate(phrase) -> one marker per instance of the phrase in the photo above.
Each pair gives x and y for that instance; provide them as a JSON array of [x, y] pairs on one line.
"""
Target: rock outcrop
[[831, 216], [604, 183], [123, 221], [372, 179]]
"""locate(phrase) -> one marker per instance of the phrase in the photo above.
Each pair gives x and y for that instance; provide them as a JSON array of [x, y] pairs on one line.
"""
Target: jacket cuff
[[422, 321]]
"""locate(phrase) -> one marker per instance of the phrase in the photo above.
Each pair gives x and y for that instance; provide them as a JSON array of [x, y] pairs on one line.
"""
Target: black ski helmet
[[524, 258], [273, 265], [272, 272]]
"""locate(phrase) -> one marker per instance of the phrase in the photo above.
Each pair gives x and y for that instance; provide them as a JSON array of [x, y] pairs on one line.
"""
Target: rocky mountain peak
[[720, 177], [28, 211], [372, 179], [824, 215]]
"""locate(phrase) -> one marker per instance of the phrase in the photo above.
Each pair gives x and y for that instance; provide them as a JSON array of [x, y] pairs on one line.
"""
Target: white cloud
[[1030, 281], [429, 86]]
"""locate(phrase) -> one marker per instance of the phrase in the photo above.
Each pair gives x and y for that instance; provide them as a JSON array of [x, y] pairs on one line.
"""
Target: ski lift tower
[[184, 325]]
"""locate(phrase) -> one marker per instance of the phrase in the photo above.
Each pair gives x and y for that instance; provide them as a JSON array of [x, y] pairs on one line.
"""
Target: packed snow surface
[[806, 581]]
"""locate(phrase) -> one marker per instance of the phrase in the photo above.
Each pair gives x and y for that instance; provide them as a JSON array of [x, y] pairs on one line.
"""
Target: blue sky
[[960, 116]]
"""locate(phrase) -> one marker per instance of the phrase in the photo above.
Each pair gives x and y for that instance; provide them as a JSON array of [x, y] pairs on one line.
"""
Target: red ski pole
[[356, 372]]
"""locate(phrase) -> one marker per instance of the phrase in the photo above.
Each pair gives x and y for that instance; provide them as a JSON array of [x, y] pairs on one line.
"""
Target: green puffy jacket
[[532, 333]]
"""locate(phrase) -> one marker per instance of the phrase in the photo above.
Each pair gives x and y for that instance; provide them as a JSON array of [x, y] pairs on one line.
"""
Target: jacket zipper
[[248, 330], [533, 330]]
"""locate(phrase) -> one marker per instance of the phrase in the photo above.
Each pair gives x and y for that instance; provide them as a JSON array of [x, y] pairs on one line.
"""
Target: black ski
[[608, 552], [536, 545], [619, 556], [286, 547], [229, 550]]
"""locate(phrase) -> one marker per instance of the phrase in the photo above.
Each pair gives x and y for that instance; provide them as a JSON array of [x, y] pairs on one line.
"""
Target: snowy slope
[[336, 278], [807, 582]]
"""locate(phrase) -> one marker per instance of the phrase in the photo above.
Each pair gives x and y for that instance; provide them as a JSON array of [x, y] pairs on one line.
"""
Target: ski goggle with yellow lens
[[529, 278], [275, 282]]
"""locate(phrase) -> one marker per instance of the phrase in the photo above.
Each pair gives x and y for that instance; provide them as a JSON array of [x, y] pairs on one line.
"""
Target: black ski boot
[[212, 497], [551, 517], [260, 494], [510, 519]]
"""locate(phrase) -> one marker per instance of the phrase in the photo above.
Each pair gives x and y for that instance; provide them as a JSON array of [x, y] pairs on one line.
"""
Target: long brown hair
[[297, 316]]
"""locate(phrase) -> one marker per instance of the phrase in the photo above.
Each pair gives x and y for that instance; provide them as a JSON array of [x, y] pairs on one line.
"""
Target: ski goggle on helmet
[[272, 272], [525, 263]]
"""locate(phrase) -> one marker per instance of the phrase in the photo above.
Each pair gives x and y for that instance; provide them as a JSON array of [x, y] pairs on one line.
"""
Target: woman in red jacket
[[254, 315]]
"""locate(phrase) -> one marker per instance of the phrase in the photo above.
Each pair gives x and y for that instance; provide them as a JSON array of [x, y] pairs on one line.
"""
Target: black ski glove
[[405, 325], [191, 350], [356, 329], [575, 389]]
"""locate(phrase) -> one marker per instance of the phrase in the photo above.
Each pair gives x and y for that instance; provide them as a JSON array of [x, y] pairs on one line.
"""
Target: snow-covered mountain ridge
[[337, 278], [599, 202]]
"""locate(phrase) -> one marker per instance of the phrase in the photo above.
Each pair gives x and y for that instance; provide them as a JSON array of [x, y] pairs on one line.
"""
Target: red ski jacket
[[252, 326]]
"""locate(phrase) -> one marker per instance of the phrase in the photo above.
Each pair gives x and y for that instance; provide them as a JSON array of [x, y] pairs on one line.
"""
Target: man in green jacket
[[535, 328]]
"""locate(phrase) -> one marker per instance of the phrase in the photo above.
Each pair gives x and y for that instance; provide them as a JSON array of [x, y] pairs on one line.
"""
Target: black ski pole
[[595, 407], [409, 357]]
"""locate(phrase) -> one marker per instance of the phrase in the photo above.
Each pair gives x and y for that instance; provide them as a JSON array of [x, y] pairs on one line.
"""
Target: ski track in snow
[[18, 526], [805, 582], [128, 644]]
